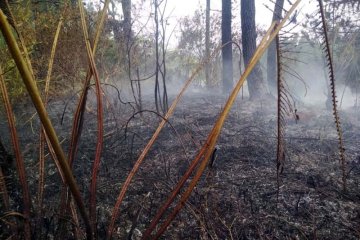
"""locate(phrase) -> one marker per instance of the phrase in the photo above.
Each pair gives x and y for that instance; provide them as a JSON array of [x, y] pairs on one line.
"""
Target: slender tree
[[161, 98], [207, 42], [227, 73], [248, 29], [157, 54], [271, 54]]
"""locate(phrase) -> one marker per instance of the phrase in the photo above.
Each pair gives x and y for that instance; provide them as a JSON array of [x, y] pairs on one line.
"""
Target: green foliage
[[11, 75], [37, 23], [13, 80]]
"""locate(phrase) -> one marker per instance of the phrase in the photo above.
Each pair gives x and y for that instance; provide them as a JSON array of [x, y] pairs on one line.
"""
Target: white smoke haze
[[313, 89]]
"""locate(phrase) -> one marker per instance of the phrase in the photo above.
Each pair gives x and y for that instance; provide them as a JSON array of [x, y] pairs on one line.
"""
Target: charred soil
[[237, 198]]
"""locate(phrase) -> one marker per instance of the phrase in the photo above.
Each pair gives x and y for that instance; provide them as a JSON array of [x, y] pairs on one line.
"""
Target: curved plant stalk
[[151, 142], [187, 174], [330, 65], [214, 134], [40, 108], [20, 166], [79, 113], [42, 133], [100, 133], [11, 214], [145, 151]]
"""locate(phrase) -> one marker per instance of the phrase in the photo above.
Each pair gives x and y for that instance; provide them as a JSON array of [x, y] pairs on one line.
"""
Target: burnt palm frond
[[329, 61], [281, 110], [285, 98]]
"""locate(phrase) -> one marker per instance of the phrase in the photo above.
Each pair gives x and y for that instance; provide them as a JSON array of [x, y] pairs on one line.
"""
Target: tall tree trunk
[[126, 7], [271, 55], [157, 68], [207, 43], [248, 29], [227, 72], [126, 30]]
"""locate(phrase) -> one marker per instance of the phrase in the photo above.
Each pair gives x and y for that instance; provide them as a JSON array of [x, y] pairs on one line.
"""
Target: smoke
[[313, 88]]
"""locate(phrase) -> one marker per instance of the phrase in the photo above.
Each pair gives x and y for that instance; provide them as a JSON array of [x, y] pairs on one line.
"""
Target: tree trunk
[[126, 7], [271, 55], [227, 72], [126, 30], [207, 43], [255, 79]]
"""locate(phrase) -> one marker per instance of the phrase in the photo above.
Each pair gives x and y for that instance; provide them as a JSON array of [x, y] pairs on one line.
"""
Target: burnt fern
[[285, 103], [281, 111], [329, 60]]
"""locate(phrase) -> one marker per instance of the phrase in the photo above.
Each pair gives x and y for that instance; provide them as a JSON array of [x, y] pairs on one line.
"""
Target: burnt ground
[[236, 198]]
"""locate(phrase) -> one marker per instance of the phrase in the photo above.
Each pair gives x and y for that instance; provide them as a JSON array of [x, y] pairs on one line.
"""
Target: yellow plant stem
[[100, 133], [51, 60], [78, 116], [197, 159], [214, 134], [40, 108], [75, 134], [43, 135], [141, 158]]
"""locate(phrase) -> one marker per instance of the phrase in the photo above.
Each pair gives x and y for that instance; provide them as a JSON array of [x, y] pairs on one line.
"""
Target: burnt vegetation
[[110, 131]]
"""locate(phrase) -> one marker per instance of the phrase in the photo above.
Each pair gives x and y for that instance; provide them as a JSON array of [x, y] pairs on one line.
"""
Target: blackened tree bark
[[227, 72], [248, 29], [126, 7], [122, 29], [271, 55]]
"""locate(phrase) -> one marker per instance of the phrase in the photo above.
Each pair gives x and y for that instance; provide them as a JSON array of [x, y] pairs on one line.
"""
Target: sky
[[263, 13], [181, 8], [188, 7]]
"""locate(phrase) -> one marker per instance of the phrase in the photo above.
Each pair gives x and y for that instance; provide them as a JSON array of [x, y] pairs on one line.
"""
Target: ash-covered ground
[[237, 197]]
